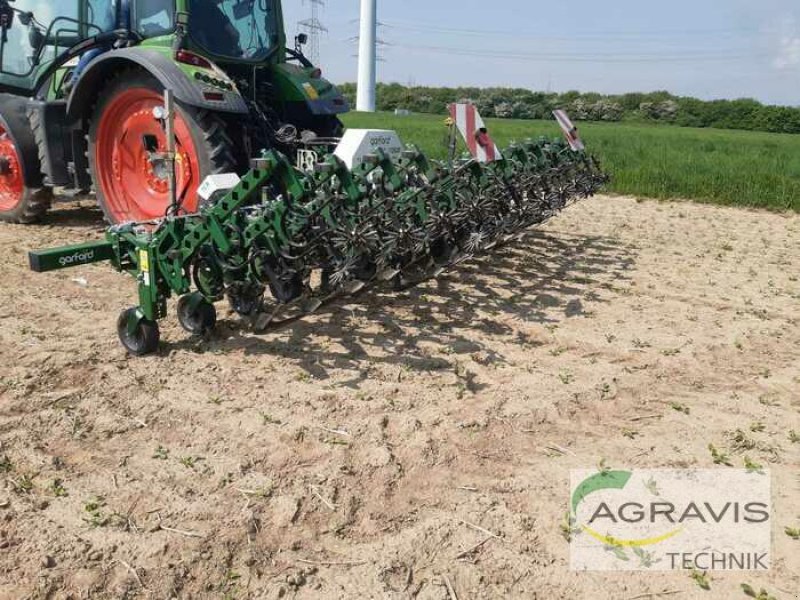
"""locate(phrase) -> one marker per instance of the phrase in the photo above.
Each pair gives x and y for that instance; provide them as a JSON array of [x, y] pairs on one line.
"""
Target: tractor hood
[[302, 84]]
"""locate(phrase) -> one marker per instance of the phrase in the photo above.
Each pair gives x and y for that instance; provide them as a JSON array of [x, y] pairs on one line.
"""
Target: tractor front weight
[[307, 237]]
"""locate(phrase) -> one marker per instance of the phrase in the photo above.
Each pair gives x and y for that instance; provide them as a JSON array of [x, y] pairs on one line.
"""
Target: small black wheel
[[196, 315], [141, 339]]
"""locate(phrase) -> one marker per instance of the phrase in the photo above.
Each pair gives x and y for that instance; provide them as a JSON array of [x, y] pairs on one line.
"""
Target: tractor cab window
[[102, 14], [39, 31], [243, 29], [152, 18]]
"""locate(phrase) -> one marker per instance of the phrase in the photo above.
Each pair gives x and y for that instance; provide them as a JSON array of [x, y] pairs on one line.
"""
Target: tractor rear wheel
[[125, 138]]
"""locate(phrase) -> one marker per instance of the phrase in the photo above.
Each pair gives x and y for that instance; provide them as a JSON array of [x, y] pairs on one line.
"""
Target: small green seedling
[[94, 508], [268, 419], [646, 559], [719, 458], [630, 433], [616, 549], [761, 595], [701, 579], [23, 484], [569, 527], [6, 466], [769, 400], [652, 487], [752, 466], [682, 408], [190, 461], [58, 489], [566, 377]]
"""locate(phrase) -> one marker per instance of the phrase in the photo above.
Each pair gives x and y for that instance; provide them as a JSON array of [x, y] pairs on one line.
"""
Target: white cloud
[[788, 52]]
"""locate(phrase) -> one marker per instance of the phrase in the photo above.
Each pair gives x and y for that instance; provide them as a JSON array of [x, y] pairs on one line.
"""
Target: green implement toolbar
[[308, 237]]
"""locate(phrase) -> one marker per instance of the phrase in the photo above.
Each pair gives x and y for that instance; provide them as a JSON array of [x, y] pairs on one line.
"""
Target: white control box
[[358, 143], [214, 186]]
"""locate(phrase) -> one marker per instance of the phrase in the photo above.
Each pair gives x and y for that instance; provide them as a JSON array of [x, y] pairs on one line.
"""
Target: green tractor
[[82, 82]]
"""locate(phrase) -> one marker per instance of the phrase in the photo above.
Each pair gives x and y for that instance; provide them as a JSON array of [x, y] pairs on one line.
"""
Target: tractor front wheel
[[127, 143], [23, 197]]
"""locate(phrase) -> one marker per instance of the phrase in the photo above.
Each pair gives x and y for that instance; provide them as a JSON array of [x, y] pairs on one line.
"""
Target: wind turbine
[[367, 56]]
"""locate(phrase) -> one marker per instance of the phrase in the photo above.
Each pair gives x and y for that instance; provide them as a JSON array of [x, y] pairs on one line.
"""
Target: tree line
[[654, 107]]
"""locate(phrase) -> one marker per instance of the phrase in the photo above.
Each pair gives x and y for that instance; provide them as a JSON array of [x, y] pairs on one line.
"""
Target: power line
[[380, 43], [314, 28], [594, 57], [613, 35], [586, 56], [582, 58]]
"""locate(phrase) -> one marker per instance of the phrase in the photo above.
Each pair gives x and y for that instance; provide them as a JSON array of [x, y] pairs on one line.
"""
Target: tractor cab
[[34, 35], [80, 84], [235, 29]]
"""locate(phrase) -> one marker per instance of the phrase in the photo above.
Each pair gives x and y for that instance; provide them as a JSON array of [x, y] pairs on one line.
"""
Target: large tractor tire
[[131, 184], [23, 197]]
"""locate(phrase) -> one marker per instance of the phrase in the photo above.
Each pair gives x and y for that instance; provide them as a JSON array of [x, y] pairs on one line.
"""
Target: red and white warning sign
[[473, 130], [570, 131]]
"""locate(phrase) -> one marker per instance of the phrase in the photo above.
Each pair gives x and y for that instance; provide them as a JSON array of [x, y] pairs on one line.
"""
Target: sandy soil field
[[397, 446]]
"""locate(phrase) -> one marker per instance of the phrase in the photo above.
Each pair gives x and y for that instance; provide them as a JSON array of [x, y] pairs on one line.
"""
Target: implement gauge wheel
[[125, 140], [196, 315], [140, 336]]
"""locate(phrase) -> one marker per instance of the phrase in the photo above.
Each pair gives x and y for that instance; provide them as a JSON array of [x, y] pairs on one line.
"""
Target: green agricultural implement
[[309, 236], [219, 161]]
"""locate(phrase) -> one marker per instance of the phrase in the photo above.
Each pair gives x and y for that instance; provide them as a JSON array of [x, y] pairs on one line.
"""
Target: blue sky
[[704, 48]]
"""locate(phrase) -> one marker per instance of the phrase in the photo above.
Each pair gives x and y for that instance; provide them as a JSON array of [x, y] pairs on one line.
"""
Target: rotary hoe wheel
[[125, 140]]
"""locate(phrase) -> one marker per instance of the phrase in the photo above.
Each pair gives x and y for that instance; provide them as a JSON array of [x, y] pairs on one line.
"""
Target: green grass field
[[724, 167]]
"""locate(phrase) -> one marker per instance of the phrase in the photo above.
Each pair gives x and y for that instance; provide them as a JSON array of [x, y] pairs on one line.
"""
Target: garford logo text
[[77, 258]]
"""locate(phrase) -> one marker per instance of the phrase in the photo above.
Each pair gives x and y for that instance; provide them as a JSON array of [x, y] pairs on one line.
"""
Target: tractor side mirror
[[6, 16], [300, 40]]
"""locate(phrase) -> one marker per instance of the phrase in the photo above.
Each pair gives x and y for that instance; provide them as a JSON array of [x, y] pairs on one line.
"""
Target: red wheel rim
[[12, 181], [134, 187]]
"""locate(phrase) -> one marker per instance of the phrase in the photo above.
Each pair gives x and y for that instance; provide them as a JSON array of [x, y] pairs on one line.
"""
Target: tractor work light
[[190, 58]]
